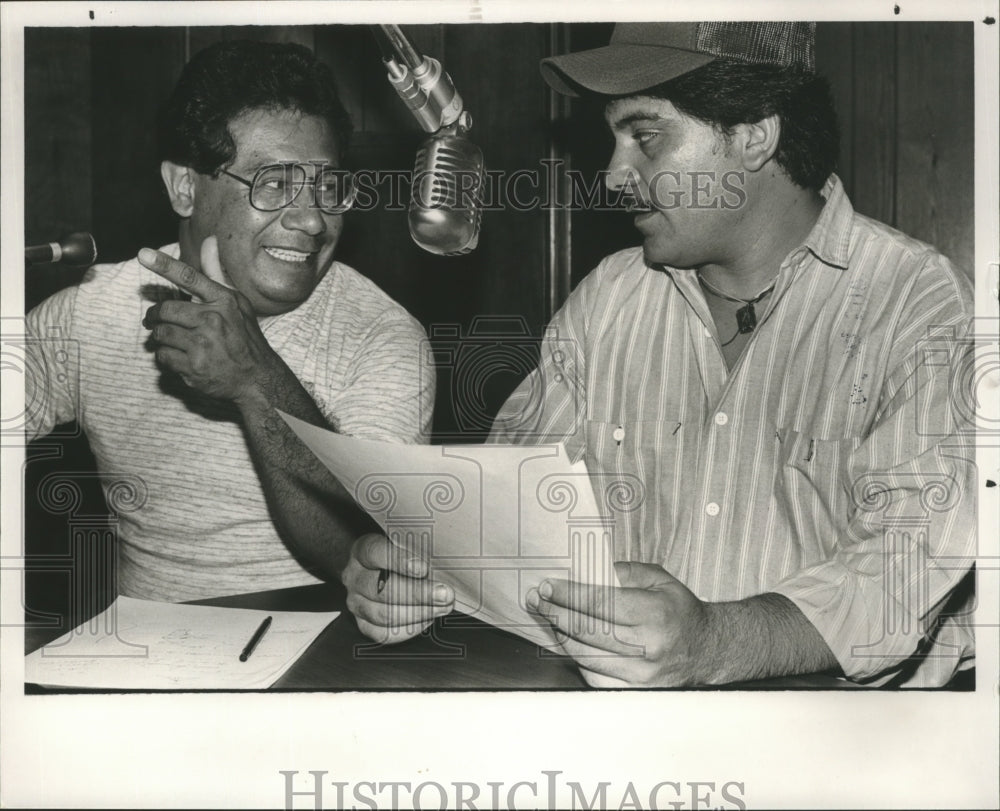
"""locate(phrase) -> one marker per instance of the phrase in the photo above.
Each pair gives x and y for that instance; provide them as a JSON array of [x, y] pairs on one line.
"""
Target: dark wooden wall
[[904, 94]]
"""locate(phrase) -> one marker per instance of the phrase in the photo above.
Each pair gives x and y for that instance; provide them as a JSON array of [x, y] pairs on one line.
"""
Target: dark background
[[904, 93]]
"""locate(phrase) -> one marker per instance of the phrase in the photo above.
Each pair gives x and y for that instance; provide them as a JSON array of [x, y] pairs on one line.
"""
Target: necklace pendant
[[746, 319]]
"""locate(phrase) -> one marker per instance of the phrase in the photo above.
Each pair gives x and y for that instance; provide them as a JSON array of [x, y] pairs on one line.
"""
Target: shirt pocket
[[814, 482], [632, 463]]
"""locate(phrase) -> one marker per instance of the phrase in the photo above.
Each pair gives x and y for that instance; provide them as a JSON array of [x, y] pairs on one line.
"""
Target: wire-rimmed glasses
[[277, 185]]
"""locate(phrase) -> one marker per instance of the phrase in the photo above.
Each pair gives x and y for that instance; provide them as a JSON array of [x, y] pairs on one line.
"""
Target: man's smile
[[287, 254]]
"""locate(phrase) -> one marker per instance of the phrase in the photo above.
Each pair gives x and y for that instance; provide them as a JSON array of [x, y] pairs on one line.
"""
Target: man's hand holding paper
[[650, 631], [407, 602], [490, 521]]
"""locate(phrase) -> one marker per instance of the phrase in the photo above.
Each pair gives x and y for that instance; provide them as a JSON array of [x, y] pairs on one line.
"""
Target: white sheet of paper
[[493, 520], [149, 645]]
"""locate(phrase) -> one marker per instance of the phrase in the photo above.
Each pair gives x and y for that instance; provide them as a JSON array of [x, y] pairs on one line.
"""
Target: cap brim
[[619, 69]]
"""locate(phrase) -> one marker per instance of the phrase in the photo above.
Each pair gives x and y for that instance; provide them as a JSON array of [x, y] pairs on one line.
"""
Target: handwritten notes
[[148, 645]]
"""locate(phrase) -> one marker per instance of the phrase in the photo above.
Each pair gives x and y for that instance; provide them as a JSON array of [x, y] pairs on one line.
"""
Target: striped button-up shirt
[[831, 464]]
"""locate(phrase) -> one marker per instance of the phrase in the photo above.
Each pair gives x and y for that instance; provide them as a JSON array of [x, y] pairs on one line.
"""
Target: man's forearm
[[760, 637], [313, 512]]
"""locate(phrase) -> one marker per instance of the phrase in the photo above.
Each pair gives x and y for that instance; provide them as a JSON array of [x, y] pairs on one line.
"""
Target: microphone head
[[79, 249], [445, 207]]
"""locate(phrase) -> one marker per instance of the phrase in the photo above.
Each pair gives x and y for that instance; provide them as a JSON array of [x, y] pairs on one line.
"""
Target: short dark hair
[[726, 92], [227, 79]]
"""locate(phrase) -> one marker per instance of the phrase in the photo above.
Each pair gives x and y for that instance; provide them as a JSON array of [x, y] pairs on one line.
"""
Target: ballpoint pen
[[255, 639]]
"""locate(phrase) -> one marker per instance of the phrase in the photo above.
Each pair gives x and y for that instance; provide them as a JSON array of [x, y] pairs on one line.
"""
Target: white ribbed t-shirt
[[174, 465]]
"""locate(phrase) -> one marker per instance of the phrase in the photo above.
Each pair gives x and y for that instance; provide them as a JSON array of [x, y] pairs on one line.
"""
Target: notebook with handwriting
[[149, 645]]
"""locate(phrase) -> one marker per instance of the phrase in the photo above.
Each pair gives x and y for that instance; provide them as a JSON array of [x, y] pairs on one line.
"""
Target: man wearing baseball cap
[[757, 377]]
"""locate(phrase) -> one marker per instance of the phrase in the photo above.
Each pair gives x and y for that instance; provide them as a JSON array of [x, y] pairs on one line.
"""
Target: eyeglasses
[[276, 186]]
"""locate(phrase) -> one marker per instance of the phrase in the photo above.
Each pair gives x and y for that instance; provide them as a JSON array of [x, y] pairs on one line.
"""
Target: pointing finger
[[211, 265], [183, 275]]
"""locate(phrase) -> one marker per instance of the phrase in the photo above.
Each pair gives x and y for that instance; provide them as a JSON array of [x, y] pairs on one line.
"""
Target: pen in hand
[[255, 639]]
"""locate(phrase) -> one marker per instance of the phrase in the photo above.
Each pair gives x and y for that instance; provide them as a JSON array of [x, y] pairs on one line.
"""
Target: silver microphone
[[445, 198], [445, 194], [77, 250]]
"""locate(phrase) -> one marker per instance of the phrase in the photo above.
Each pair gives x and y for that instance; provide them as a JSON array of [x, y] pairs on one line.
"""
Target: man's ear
[[759, 142], [179, 181]]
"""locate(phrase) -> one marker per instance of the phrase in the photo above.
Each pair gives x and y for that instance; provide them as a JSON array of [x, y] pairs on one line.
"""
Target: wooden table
[[456, 653]]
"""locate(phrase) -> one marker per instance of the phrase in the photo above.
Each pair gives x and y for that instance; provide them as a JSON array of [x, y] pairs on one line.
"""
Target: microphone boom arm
[[424, 87]]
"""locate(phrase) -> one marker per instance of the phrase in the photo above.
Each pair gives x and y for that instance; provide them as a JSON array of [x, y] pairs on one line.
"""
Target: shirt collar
[[830, 238]]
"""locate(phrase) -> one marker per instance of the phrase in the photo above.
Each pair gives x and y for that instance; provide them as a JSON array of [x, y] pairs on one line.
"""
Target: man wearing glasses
[[186, 354]]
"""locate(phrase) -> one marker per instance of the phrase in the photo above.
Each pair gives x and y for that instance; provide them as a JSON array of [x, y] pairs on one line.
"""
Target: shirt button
[[708, 332], [619, 434], [712, 508], [721, 418]]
